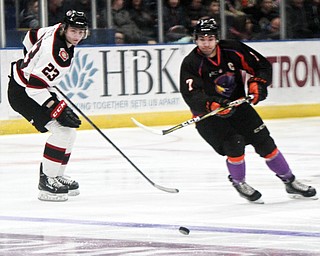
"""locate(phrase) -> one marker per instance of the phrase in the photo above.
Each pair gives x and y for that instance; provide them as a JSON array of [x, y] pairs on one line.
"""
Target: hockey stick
[[195, 119], [169, 190]]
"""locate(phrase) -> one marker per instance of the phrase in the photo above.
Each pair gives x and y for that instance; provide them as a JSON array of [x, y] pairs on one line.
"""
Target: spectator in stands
[[85, 6], [297, 21], [241, 4], [271, 32], [10, 14], [233, 8], [119, 37], [29, 17], [121, 21], [173, 14], [179, 34], [261, 14], [56, 11], [241, 29], [195, 10], [142, 17], [313, 14], [214, 12], [152, 6]]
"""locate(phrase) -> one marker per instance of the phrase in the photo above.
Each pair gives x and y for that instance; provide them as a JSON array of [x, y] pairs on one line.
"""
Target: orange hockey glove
[[258, 88], [218, 103]]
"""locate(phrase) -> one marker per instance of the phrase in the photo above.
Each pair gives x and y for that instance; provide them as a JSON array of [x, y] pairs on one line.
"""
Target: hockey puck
[[184, 230]]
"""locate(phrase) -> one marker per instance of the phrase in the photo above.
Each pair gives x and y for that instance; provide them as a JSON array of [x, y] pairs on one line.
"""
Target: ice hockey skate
[[298, 190], [72, 185], [247, 192], [51, 189]]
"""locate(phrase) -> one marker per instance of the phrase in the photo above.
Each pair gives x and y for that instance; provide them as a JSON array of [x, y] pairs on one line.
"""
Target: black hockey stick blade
[[166, 189], [192, 120], [169, 190]]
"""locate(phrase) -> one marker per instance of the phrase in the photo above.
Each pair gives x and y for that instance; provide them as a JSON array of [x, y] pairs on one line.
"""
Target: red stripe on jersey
[[245, 64], [36, 82], [33, 35], [216, 63], [200, 68], [213, 62]]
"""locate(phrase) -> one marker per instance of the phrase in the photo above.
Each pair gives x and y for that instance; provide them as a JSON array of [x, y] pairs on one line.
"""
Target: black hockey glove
[[258, 88], [64, 115]]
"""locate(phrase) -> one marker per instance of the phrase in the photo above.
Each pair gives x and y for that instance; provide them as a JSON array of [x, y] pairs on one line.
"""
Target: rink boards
[[112, 84]]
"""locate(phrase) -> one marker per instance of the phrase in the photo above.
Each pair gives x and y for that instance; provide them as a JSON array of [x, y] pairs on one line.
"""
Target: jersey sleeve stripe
[[245, 64], [37, 83], [20, 74], [33, 36]]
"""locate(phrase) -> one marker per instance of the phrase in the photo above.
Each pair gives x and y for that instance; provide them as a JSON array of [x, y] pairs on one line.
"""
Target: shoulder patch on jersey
[[63, 54]]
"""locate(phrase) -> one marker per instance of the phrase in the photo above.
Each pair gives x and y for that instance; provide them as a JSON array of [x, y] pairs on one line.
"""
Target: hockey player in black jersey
[[48, 55], [211, 77]]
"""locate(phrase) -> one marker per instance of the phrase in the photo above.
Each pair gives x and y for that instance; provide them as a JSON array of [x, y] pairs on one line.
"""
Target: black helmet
[[76, 19], [206, 26]]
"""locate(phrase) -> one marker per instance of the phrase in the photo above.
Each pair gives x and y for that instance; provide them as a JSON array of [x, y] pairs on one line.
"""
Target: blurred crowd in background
[[136, 21]]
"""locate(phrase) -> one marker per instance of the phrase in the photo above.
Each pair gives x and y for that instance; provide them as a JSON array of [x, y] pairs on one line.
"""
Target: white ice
[[119, 213]]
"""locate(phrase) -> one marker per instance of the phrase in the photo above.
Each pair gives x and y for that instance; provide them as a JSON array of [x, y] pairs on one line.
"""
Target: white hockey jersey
[[47, 60]]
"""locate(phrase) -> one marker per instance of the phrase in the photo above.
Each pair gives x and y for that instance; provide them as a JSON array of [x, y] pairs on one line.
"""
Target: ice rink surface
[[119, 213]]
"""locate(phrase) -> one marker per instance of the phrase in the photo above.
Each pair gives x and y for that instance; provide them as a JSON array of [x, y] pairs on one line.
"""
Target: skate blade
[[295, 196], [47, 196], [74, 192], [259, 201]]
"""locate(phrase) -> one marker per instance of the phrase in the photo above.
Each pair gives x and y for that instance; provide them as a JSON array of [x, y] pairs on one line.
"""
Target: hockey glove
[[258, 88], [218, 103], [64, 115]]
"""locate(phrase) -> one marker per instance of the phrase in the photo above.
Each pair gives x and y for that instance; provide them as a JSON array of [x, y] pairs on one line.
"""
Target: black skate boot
[[51, 189], [247, 192], [297, 190], [72, 185]]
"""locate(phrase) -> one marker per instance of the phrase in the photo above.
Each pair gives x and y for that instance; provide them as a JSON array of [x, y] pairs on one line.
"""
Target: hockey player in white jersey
[[48, 56]]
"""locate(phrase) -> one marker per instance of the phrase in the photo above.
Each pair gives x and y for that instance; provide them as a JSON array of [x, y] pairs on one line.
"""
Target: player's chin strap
[[197, 119]]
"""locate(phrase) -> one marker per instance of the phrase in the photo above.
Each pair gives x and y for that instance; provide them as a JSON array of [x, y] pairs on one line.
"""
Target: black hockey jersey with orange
[[45, 63], [202, 77]]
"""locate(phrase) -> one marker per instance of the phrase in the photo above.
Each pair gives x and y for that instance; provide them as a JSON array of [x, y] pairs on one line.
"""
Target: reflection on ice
[[119, 213]]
